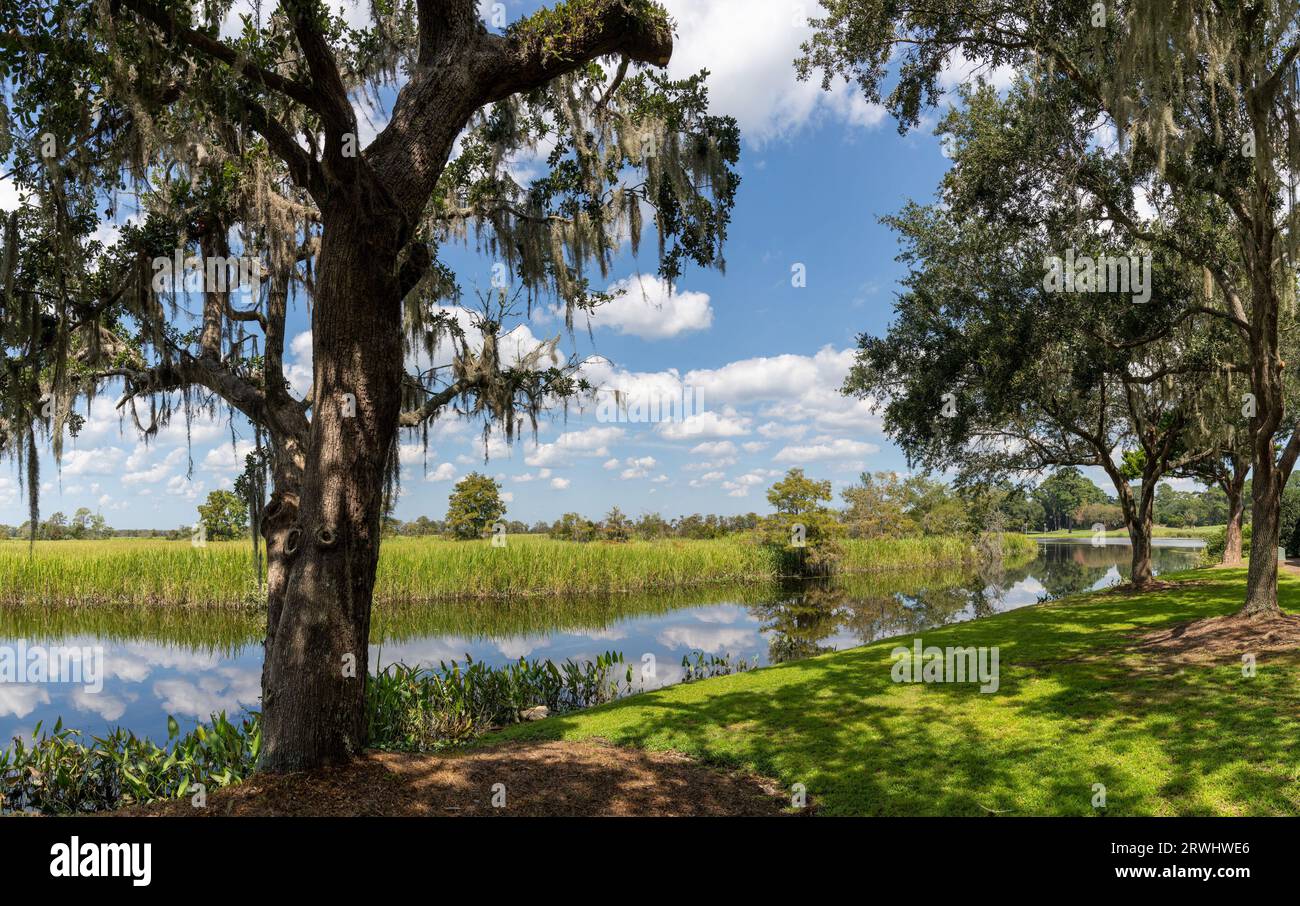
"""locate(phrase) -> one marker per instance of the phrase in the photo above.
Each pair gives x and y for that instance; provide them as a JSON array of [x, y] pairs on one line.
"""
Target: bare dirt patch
[[1126, 590], [541, 779], [1222, 638]]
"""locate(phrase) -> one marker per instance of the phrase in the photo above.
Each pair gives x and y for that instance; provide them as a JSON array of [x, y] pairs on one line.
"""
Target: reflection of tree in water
[[1068, 576], [867, 608], [993, 579], [1067, 569], [801, 616]]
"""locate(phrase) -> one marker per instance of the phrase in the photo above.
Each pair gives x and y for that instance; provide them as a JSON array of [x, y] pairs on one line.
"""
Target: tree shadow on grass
[[1074, 709]]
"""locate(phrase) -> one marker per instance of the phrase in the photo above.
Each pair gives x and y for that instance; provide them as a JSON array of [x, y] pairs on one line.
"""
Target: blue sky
[[767, 357]]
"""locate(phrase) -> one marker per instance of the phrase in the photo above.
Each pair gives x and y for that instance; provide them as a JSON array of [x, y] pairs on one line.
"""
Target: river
[[191, 665]]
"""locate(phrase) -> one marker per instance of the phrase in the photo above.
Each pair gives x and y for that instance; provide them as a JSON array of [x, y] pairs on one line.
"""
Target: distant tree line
[[878, 505], [1068, 500], [83, 525]]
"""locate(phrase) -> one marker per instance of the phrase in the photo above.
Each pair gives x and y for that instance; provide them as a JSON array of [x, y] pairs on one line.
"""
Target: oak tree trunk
[[1266, 385], [1261, 582], [1139, 533], [315, 674], [1138, 518], [1236, 508]]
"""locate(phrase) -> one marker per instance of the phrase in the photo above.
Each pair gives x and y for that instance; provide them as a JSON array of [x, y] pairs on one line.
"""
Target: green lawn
[[1075, 708], [1159, 531]]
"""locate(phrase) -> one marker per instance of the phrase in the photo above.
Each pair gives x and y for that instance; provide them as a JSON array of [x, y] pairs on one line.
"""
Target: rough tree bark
[[1233, 487], [1266, 384], [1139, 533], [316, 656]]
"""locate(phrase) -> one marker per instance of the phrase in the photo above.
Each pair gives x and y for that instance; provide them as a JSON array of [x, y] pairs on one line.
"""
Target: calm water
[[155, 666]]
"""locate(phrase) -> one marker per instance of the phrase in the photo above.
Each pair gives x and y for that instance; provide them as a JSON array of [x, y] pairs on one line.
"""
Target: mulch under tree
[[540, 779], [1222, 638]]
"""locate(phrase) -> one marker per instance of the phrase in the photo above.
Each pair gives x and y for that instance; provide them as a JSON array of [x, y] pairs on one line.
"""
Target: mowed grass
[[1203, 532], [149, 571], [1076, 707]]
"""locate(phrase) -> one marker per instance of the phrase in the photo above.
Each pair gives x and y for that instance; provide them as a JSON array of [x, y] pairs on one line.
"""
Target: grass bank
[[414, 570], [1202, 532], [1075, 707]]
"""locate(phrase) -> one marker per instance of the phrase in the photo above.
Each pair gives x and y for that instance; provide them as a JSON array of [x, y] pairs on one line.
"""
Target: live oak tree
[[989, 368], [250, 146], [1040, 157], [224, 516], [475, 504], [1203, 95], [983, 371]]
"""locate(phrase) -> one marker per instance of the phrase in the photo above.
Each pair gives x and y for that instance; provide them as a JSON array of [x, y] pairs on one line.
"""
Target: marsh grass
[[419, 570]]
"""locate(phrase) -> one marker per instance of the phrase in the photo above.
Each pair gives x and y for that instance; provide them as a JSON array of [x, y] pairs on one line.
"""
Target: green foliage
[[1289, 516], [1217, 541], [615, 526], [1062, 494], [1192, 508], [555, 32], [1107, 515], [803, 533], [427, 709], [573, 527], [651, 526], [888, 505], [876, 507], [60, 773], [999, 505], [1132, 463], [987, 369], [224, 516], [706, 666], [474, 506]]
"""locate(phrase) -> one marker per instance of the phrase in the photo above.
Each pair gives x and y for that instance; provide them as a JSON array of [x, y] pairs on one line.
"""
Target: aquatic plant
[[705, 666], [60, 773], [415, 709]]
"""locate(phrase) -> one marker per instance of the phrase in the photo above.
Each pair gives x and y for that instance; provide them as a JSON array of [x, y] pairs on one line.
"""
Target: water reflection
[[156, 665], [814, 618]]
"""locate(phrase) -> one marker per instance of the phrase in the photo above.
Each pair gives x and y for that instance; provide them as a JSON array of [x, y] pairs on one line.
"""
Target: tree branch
[[440, 19], [218, 50], [432, 406], [327, 84], [556, 42]]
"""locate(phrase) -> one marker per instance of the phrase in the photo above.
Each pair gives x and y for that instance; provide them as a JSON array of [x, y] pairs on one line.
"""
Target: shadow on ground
[[519, 779]]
